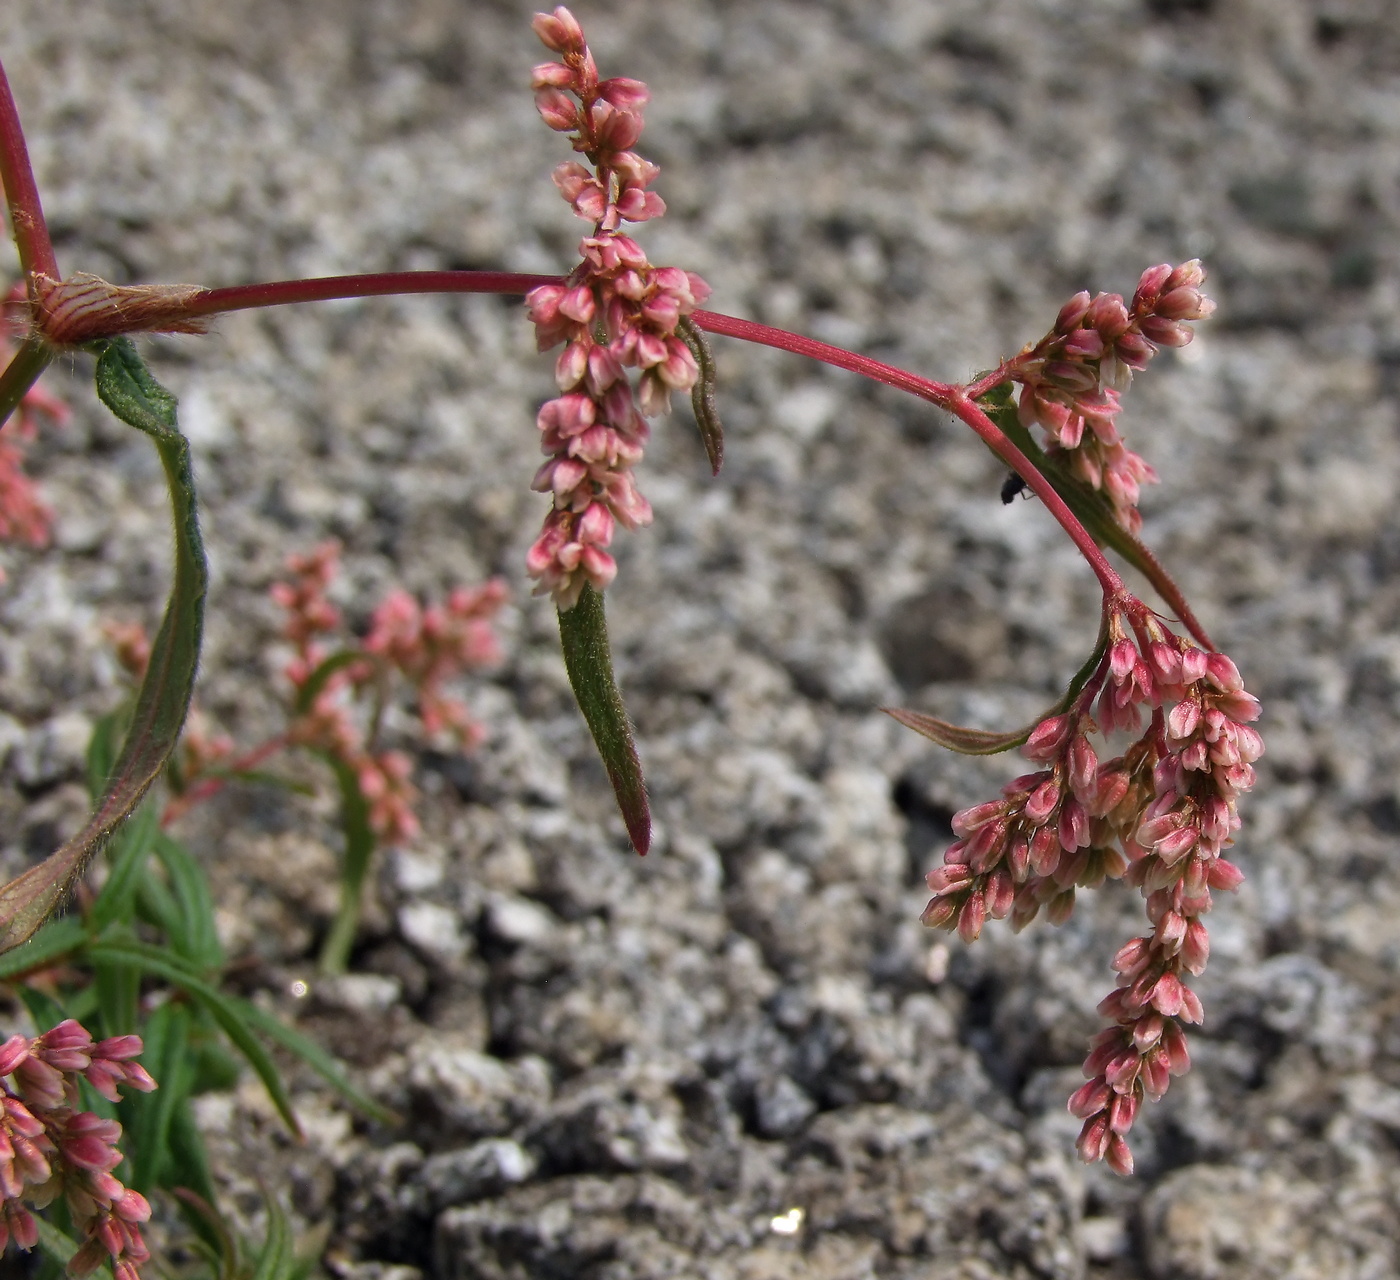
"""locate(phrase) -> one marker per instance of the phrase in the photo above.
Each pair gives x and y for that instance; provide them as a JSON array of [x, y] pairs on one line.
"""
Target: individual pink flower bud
[[1060, 907], [1122, 658], [1118, 1156], [971, 917], [557, 109], [1090, 1098], [1185, 304], [1093, 1138], [14, 1051], [1189, 275], [1045, 851], [943, 879], [1083, 766], [1018, 855], [1166, 333], [1000, 893], [1133, 350], [1168, 994], [1047, 738], [939, 913], [559, 31], [1178, 1057], [1150, 286], [1191, 1010], [551, 75], [966, 821], [1084, 344], [1195, 947], [1225, 875], [1123, 1070], [1155, 1074], [1147, 1031], [625, 94], [1073, 826], [1130, 956], [1170, 932], [1040, 804], [1122, 1111], [1108, 315], [1072, 312]]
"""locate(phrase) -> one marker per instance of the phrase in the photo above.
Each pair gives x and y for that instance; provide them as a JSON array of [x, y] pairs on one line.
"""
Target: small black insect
[[1011, 486]]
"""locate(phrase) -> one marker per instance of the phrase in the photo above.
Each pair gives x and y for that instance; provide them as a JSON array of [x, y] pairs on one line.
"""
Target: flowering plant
[[1160, 813]]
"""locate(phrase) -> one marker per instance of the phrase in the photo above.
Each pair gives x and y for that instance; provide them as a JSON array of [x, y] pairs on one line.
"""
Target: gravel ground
[[610, 1067]]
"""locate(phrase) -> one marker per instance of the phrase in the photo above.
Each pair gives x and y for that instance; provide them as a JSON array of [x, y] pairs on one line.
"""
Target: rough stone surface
[[614, 1068]]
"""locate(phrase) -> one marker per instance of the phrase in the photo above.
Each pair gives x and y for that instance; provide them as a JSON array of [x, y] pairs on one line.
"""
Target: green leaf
[[103, 748], [588, 660], [359, 850], [55, 940], [277, 1260], [60, 1246], [44, 1009], [146, 1117], [198, 939], [318, 1060], [130, 848], [229, 1012], [702, 394], [128, 389]]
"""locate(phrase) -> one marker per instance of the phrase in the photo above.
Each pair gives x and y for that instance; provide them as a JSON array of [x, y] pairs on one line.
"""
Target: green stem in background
[[36, 254], [21, 373], [359, 850]]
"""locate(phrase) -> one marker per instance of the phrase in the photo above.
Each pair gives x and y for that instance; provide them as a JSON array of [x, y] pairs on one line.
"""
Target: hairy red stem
[[36, 255]]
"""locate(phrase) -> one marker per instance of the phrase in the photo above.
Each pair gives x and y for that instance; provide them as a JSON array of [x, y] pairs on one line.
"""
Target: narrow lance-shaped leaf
[[702, 394], [588, 659], [985, 742], [128, 389], [1090, 508]]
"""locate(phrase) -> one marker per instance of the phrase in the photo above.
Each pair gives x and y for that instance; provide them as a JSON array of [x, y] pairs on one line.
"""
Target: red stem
[[971, 414], [277, 293], [36, 255], [952, 398], [208, 787]]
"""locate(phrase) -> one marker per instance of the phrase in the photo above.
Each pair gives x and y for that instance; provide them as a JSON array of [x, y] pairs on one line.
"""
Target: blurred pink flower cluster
[[613, 312], [1072, 378], [1163, 812], [49, 1148], [427, 646], [23, 515]]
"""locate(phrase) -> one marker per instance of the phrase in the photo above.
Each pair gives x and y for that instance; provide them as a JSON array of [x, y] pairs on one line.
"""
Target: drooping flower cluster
[[1072, 379], [615, 311], [49, 1148], [428, 646], [1163, 812]]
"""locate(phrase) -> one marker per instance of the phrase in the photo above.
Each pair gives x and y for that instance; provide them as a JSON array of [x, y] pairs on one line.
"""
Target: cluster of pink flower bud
[[428, 646], [49, 1148], [1163, 812], [614, 311], [23, 515], [1071, 380]]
